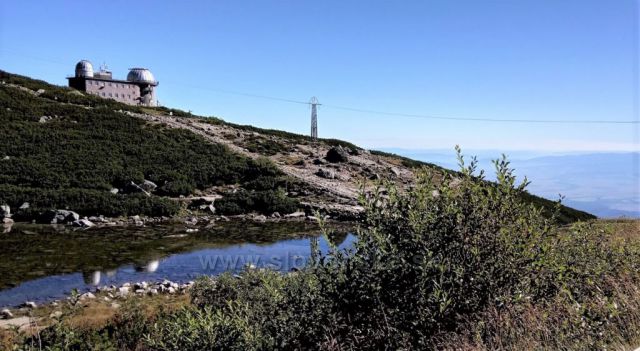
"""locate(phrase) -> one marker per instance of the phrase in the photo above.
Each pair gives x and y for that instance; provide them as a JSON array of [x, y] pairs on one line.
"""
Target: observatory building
[[138, 89]]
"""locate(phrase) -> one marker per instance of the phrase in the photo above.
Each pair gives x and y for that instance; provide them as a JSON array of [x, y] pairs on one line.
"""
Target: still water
[[44, 263]]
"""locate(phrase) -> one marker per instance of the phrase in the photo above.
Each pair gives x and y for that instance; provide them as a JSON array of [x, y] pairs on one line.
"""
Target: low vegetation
[[62, 155], [452, 264]]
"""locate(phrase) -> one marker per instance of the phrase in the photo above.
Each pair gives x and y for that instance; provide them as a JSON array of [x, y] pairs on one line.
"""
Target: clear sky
[[510, 59]]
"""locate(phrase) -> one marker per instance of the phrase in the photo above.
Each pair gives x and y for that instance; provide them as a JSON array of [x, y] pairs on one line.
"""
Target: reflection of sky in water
[[182, 267]]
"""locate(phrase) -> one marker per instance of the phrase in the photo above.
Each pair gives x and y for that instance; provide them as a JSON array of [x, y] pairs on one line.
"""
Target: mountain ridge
[[273, 169]]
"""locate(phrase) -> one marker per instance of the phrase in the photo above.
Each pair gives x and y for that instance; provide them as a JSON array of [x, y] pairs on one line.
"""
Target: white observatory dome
[[84, 68], [142, 75]]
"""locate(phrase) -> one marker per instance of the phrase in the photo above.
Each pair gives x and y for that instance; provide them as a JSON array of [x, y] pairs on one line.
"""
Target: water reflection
[[150, 267], [46, 262], [93, 278], [6, 227]]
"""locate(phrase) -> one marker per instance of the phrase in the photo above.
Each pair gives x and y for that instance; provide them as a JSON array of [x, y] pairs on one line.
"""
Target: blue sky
[[526, 59]]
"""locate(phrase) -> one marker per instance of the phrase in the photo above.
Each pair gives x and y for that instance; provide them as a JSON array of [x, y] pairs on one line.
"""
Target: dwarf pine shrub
[[453, 263]]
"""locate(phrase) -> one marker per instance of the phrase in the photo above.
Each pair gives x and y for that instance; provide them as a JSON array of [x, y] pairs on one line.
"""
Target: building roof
[[141, 75], [84, 68]]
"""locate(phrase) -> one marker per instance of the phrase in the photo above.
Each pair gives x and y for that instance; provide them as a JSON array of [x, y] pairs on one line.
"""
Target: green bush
[[81, 153], [262, 201], [452, 264], [430, 265]]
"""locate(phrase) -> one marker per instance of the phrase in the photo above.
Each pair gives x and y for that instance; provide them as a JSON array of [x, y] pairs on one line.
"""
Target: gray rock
[[5, 211], [114, 191], [87, 295], [24, 206], [30, 304], [7, 220], [83, 223], [133, 188], [297, 214], [260, 218], [6, 314], [98, 219], [140, 285], [153, 291], [171, 290], [337, 154], [58, 217], [325, 173], [148, 185]]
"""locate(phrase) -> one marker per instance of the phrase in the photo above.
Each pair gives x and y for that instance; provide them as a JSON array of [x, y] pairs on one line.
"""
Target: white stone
[[295, 215], [87, 295], [6, 314]]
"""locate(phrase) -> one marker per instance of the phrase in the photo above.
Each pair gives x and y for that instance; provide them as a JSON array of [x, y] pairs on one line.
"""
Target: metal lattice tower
[[314, 117]]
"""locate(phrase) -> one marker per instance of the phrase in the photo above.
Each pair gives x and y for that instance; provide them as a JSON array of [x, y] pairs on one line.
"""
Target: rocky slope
[[324, 174]]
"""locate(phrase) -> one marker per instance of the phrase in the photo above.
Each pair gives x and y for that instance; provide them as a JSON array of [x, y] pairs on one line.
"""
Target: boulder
[[133, 188], [325, 173], [337, 154], [24, 206], [83, 223], [298, 214], [114, 191], [6, 314], [140, 285], [5, 211], [7, 220], [260, 218], [58, 217], [30, 304], [87, 295], [148, 186]]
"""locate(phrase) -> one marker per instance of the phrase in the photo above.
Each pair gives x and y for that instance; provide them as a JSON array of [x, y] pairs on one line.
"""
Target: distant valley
[[605, 184]]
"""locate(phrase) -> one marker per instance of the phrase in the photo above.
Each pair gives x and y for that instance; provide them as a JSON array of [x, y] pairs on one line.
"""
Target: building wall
[[123, 91], [126, 92]]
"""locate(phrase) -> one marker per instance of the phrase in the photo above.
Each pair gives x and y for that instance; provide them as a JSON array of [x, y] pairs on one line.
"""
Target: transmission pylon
[[314, 117]]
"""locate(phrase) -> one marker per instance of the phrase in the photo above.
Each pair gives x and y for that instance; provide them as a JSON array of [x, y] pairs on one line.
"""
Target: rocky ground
[[30, 317], [336, 173]]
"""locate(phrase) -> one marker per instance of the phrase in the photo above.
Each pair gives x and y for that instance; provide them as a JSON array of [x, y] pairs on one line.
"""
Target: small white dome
[[140, 75], [84, 68]]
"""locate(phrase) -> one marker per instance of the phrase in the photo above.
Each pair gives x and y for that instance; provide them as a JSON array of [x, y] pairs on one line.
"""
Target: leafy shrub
[[451, 264], [82, 153], [262, 201], [431, 264]]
